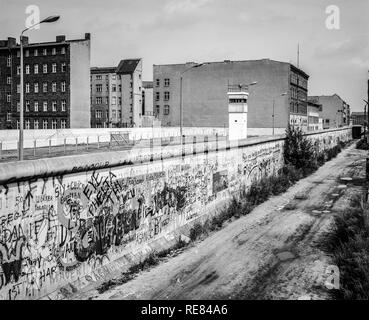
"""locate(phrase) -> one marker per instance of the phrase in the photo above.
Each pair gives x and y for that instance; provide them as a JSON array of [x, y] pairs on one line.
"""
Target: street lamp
[[21, 120], [280, 95], [181, 97]]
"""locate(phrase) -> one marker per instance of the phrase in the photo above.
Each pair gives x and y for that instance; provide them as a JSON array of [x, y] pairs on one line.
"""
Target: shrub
[[362, 145], [298, 150]]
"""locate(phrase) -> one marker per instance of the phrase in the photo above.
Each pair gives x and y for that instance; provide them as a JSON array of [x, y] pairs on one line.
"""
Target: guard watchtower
[[237, 110]]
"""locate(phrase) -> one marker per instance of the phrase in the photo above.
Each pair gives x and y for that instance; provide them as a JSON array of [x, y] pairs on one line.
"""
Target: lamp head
[[50, 19]]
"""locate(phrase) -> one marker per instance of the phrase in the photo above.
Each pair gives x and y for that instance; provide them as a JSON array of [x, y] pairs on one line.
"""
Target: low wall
[[69, 221], [9, 138]]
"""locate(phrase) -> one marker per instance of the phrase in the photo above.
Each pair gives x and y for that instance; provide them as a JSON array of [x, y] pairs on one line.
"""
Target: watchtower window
[[237, 100]]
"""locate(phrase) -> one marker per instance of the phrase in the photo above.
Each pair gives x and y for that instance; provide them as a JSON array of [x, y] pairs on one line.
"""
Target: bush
[[362, 145], [298, 150]]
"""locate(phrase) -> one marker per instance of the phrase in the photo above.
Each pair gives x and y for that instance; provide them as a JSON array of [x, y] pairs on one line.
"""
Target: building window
[[44, 87], [62, 51], [35, 52], [27, 69], [99, 77], [98, 114], [114, 101], [114, 114], [99, 100], [157, 109], [53, 87], [35, 106], [27, 87], [157, 96], [27, 53], [166, 82], [9, 61], [63, 124], [120, 101], [166, 110], [35, 87], [45, 52], [113, 77], [119, 114], [106, 100], [45, 106], [120, 88], [63, 86], [114, 88], [166, 95], [8, 116], [8, 97], [18, 125], [63, 105], [27, 106], [27, 124], [54, 124], [54, 106], [63, 67], [18, 88], [98, 87], [9, 80], [18, 70], [44, 124], [158, 82], [18, 53], [53, 52], [18, 106], [44, 68], [35, 124], [35, 69], [53, 68]]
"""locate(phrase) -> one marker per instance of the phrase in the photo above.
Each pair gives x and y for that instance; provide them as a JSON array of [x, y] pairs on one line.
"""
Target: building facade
[[56, 84], [315, 121], [116, 95], [335, 113], [205, 101], [358, 118]]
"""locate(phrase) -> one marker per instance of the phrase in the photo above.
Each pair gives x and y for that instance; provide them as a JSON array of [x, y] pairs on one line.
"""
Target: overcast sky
[[176, 31]]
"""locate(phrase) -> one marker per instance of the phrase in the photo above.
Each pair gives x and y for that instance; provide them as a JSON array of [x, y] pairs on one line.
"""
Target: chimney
[[25, 40], [60, 38], [11, 42], [87, 36]]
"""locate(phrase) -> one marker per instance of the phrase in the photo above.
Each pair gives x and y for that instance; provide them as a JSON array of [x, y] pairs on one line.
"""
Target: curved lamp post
[[273, 116], [181, 97], [21, 120]]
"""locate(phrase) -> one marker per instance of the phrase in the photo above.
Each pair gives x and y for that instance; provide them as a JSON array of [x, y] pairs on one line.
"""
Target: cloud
[[185, 6]]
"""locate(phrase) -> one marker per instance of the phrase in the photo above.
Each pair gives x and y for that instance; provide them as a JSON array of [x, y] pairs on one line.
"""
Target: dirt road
[[271, 253]]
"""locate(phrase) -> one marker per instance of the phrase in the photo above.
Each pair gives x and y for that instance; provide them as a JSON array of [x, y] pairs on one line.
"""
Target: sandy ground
[[272, 253]]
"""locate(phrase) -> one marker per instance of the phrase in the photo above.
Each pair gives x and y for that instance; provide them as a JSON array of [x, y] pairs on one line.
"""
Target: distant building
[[148, 116], [116, 95], [358, 118], [56, 84], [205, 101], [315, 121], [336, 112]]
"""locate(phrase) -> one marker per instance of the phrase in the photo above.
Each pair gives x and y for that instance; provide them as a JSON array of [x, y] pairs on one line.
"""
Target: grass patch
[[349, 246]]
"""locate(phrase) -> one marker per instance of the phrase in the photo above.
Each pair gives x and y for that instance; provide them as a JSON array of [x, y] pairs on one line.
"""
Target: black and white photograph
[[184, 155]]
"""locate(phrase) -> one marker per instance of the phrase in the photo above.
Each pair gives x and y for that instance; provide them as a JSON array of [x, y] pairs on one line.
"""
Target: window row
[[166, 110], [37, 52], [45, 106], [166, 96], [36, 88], [166, 82], [36, 68]]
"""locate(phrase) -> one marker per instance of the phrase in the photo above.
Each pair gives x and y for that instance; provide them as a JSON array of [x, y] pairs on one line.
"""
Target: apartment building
[[56, 84], [336, 112], [116, 95], [205, 101], [315, 121]]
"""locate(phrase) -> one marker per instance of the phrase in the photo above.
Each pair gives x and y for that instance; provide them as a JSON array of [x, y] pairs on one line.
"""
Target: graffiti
[[56, 230]]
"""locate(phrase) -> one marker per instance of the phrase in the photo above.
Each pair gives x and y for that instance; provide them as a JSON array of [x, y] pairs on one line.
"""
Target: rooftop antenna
[[298, 55]]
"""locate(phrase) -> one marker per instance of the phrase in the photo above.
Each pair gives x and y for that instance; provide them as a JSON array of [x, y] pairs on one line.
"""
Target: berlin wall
[[69, 221]]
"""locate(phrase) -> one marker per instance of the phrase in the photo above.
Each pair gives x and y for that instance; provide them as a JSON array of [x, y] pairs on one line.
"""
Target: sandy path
[[271, 253]]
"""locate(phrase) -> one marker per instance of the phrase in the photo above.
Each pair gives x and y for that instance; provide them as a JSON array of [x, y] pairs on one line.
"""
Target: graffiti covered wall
[[66, 230]]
